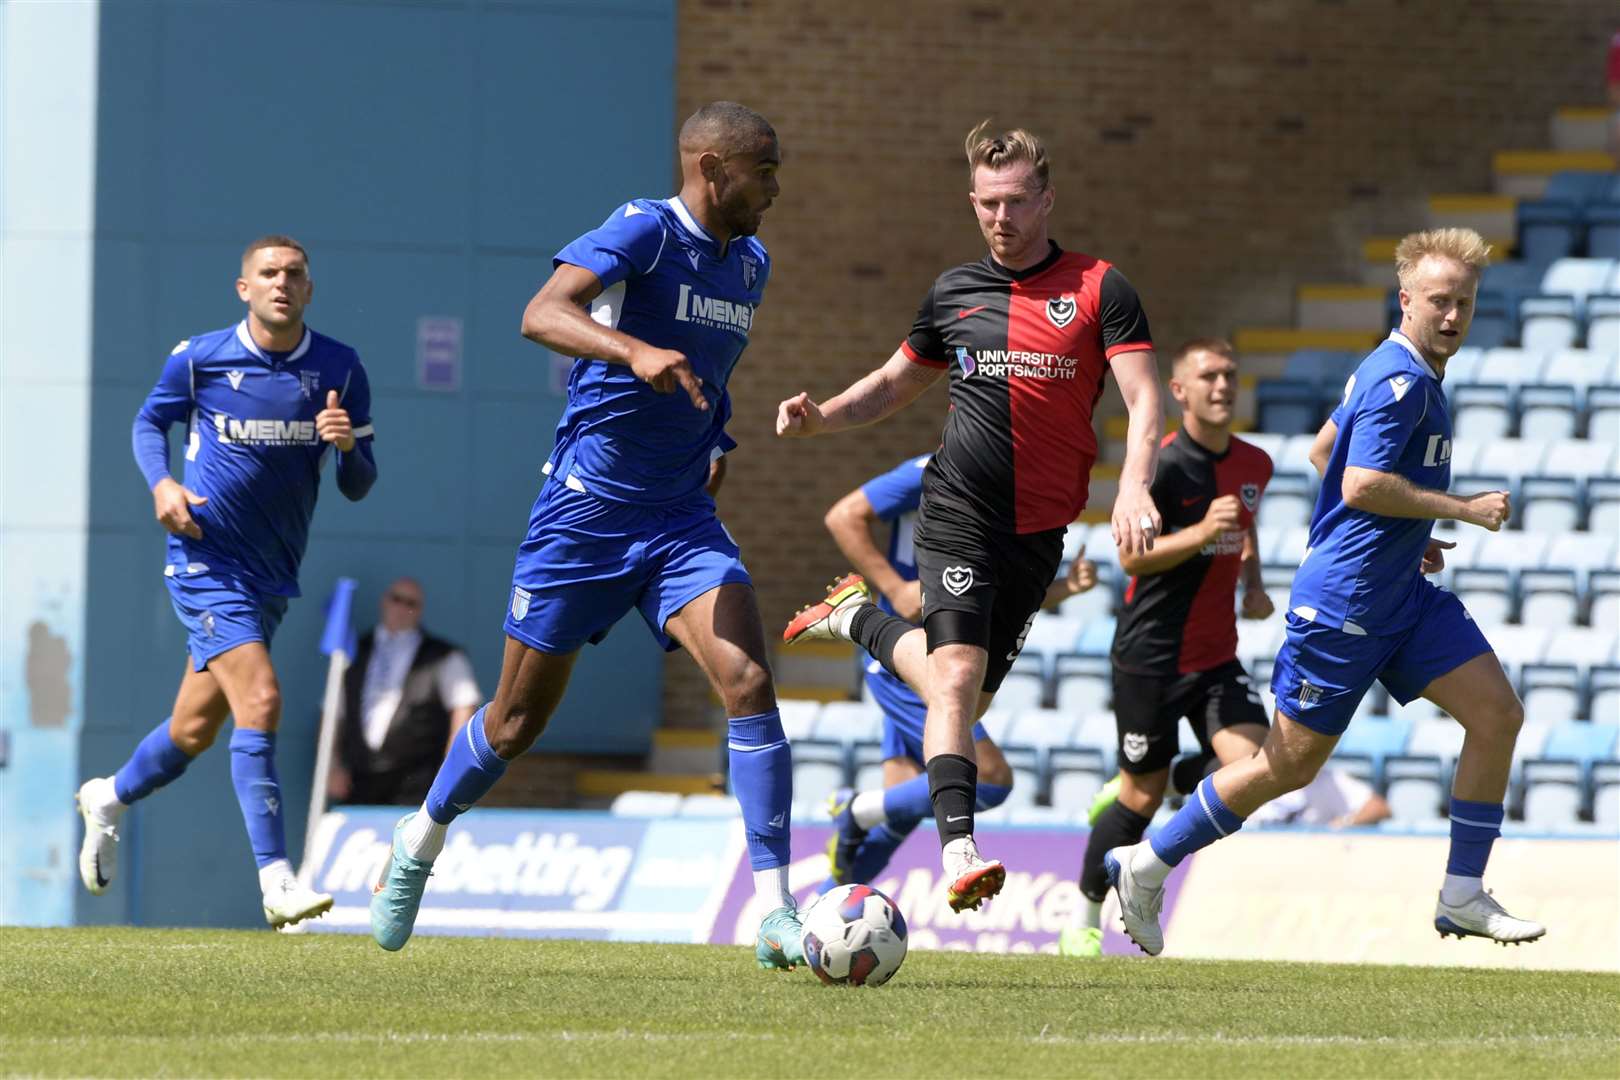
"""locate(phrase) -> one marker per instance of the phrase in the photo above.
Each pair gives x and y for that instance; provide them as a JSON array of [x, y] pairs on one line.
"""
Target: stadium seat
[[661, 804], [1585, 647], [1603, 599], [1290, 547], [1567, 758], [849, 722], [1487, 593], [1021, 690], [1371, 739], [1296, 456], [1075, 778], [1549, 229], [1603, 506], [1096, 732], [1551, 804], [1602, 224], [702, 805], [1549, 504], [1519, 645], [1603, 701], [1512, 367], [1578, 368], [1551, 692], [1418, 781], [1043, 728], [1511, 551], [798, 717], [1482, 412], [1288, 405], [1548, 412], [1575, 457], [1582, 552], [1506, 457], [1260, 637], [1096, 639], [1495, 322], [1052, 634], [1084, 684], [1577, 278], [1548, 323], [1578, 187], [1463, 367], [1603, 414], [1270, 442], [817, 774], [1288, 500], [1325, 367], [1549, 598], [1603, 324], [1606, 794]]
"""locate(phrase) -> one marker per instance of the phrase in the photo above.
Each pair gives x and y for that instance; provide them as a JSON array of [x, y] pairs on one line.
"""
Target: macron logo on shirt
[[1399, 385], [707, 311]]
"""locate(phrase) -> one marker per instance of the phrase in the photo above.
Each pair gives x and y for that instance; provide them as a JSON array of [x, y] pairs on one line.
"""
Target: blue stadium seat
[[1602, 222], [1548, 323], [1325, 367], [1496, 322], [1579, 187], [1372, 739], [1549, 598], [1548, 229], [1084, 684], [1288, 405]]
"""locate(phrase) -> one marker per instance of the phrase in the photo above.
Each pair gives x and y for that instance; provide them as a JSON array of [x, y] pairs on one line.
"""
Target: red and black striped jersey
[[1027, 351], [1184, 620]]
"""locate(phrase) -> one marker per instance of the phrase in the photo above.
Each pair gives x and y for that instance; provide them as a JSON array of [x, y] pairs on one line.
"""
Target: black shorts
[[1147, 709], [981, 586]]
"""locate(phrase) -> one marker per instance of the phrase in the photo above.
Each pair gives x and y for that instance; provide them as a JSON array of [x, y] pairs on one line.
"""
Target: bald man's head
[[729, 157]]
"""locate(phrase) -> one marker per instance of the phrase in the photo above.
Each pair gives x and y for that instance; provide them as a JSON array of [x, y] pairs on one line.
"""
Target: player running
[[263, 401], [1028, 334], [869, 826], [1362, 610], [1175, 645], [657, 305]]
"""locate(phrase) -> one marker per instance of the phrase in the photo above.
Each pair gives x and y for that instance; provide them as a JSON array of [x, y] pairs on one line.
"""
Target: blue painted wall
[[431, 156]]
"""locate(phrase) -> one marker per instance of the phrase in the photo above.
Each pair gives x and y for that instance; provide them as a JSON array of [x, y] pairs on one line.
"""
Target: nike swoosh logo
[[958, 817], [1194, 499], [969, 311]]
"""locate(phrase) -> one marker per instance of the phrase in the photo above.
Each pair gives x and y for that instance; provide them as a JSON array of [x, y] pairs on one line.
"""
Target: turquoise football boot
[[398, 894], [780, 947]]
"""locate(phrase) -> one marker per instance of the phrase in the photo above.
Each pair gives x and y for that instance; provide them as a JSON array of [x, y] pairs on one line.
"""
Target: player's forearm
[[1250, 565], [1390, 495], [1322, 447], [150, 441], [880, 394], [853, 535], [567, 329], [356, 471], [1168, 552], [1143, 434]]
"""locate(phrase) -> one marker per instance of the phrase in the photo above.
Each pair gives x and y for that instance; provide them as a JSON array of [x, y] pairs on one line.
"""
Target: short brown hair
[[1218, 346], [273, 240], [1013, 147], [1464, 245]]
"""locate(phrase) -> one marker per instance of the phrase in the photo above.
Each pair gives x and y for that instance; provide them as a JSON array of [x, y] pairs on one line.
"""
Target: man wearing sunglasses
[[405, 697]]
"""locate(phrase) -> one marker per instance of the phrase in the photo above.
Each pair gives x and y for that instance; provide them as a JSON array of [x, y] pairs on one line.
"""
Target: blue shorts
[[220, 613], [586, 562], [1322, 673], [903, 715]]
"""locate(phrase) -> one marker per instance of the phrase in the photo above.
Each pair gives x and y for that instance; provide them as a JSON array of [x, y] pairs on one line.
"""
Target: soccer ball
[[854, 936]]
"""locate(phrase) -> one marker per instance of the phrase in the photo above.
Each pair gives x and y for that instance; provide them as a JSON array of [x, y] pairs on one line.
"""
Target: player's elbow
[[1357, 488], [537, 318]]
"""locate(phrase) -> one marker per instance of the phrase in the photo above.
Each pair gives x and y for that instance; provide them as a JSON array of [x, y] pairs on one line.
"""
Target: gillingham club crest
[[750, 272], [1060, 310]]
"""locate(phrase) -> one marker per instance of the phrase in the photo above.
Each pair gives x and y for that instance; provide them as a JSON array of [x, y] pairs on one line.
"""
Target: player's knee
[[1508, 716], [262, 707], [193, 735], [996, 772], [746, 689]]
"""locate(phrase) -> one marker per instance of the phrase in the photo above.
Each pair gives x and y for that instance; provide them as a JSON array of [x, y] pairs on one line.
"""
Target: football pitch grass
[[122, 1002]]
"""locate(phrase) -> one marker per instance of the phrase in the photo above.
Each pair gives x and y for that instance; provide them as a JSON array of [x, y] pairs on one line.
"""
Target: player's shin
[[879, 633], [1203, 820], [1119, 826], [1475, 826], [470, 769], [952, 784], [258, 792], [156, 761], [762, 777]]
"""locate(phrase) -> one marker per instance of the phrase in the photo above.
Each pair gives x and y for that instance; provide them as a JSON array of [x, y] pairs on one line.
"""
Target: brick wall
[[1219, 152]]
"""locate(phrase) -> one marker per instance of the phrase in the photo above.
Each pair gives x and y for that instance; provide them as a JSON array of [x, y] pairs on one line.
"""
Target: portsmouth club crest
[[1060, 310], [1250, 494], [750, 271]]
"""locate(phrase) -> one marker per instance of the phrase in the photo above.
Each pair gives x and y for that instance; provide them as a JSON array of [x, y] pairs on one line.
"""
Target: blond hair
[[1015, 147], [1463, 245]]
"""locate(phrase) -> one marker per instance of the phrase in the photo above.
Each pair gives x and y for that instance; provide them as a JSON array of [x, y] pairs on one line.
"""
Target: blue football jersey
[[1361, 570], [895, 496], [251, 447], [666, 281]]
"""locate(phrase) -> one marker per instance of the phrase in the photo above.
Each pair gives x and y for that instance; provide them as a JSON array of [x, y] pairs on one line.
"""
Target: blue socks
[[1474, 828], [1202, 820], [258, 791], [155, 762], [470, 769], [909, 800], [762, 778]]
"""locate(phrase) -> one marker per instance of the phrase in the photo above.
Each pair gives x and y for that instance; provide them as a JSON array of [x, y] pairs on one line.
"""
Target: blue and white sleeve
[[357, 469], [1385, 418], [898, 491], [628, 243], [169, 402]]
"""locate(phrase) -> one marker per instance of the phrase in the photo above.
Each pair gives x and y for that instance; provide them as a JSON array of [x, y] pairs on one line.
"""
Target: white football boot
[[98, 854], [828, 620], [1139, 904], [1483, 917], [288, 901], [971, 878]]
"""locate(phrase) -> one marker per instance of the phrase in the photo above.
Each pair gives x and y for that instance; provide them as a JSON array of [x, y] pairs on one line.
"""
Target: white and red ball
[[854, 936]]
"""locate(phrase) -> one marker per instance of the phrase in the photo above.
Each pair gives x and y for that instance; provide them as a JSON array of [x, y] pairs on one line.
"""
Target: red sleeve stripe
[[1128, 346], [918, 358]]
